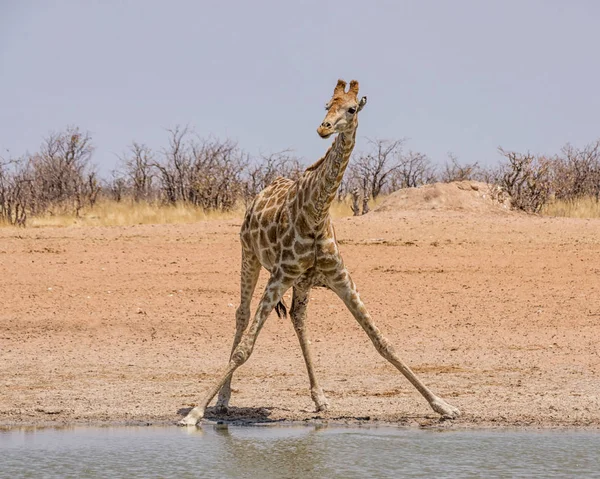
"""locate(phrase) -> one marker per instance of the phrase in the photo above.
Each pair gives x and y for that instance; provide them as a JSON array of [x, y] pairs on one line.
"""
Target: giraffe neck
[[323, 179]]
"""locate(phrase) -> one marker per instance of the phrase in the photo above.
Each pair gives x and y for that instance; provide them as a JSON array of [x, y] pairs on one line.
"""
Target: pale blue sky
[[461, 76]]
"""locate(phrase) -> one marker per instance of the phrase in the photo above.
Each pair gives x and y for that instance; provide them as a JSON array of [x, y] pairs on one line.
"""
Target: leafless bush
[[62, 179], [217, 174], [414, 169], [174, 170], [138, 173], [532, 181], [373, 170], [15, 192], [205, 173], [382, 169], [268, 167], [57, 179], [576, 172], [208, 173], [116, 187], [527, 180], [454, 171], [217, 169]]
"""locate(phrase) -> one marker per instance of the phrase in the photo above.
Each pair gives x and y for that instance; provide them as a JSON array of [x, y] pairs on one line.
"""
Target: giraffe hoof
[[187, 422], [447, 411], [192, 419], [320, 400]]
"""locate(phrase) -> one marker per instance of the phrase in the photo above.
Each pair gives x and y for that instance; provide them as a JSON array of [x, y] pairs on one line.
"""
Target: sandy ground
[[497, 313]]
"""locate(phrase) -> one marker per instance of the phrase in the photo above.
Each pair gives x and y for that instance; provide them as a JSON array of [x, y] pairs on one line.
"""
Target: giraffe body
[[288, 230]]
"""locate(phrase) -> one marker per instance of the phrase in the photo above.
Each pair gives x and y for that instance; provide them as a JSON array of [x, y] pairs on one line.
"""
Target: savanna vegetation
[[193, 178]]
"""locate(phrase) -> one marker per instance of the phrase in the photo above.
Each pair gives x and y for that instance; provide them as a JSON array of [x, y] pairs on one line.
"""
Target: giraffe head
[[342, 109]]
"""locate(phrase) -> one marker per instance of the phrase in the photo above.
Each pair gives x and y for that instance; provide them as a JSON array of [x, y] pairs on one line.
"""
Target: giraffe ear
[[362, 103]]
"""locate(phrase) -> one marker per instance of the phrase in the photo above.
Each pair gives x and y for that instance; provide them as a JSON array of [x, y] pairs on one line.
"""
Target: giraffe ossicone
[[288, 231]]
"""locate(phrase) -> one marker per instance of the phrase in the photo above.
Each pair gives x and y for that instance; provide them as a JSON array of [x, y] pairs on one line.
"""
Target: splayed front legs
[[250, 272]]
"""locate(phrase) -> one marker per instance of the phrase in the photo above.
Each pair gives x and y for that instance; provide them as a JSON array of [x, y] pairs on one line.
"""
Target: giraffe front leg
[[242, 319], [345, 288], [273, 293], [250, 271], [298, 315]]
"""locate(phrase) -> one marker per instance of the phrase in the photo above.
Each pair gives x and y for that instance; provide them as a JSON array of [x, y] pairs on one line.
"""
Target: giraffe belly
[[312, 278]]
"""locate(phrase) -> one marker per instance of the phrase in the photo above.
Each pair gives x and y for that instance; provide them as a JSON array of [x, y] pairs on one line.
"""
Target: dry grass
[[582, 208], [127, 213], [341, 209]]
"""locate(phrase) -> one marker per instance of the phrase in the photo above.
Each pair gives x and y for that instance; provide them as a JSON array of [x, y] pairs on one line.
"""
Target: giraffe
[[288, 230]]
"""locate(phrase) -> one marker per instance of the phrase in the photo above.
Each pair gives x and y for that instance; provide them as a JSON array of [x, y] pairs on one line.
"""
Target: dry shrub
[[62, 179], [262, 172], [139, 174], [576, 172], [564, 184], [526, 179], [455, 171], [196, 178], [203, 172], [15, 191], [372, 170], [58, 179], [382, 169]]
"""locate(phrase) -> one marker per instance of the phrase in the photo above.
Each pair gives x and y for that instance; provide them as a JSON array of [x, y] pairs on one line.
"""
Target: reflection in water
[[222, 451], [291, 449]]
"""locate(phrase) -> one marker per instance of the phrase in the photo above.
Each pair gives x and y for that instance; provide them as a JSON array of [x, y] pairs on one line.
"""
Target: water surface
[[223, 451]]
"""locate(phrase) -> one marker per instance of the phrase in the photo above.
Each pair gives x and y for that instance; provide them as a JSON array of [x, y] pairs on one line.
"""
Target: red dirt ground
[[499, 313]]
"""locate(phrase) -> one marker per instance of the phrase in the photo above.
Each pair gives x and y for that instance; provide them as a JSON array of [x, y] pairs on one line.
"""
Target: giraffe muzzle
[[325, 132]]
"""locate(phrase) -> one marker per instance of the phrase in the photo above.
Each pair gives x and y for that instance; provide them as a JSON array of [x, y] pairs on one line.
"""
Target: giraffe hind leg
[[298, 314]]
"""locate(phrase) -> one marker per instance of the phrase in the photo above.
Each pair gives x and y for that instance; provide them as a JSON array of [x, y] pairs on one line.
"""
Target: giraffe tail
[[281, 309]]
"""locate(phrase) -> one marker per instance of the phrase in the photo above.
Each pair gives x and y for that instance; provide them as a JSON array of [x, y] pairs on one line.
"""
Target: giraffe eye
[[352, 110]]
